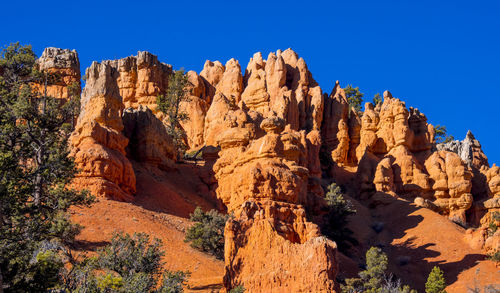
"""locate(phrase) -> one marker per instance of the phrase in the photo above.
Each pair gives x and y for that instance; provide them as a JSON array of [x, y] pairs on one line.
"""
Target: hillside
[[271, 142]]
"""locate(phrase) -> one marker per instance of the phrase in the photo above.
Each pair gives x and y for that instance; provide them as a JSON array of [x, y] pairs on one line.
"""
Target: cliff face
[[263, 133], [65, 66]]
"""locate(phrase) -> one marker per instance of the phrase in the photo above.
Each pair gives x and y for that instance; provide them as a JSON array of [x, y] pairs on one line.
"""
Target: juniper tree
[[35, 171], [207, 234], [169, 104]]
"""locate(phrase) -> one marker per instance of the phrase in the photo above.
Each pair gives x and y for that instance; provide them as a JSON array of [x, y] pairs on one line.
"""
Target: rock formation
[[263, 183], [100, 141], [98, 144], [269, 136], [64, 65]]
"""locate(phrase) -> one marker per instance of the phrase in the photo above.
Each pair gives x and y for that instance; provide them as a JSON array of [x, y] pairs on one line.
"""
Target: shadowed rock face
[[271, 124], [98, 142]]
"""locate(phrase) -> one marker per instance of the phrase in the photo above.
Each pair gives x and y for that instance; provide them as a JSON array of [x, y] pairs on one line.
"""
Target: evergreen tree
[[435, 282], [35, 171], [374, 279], [336, 219], [207, 234], [441, 134], [170, 105], [354, 98], [377, 99]]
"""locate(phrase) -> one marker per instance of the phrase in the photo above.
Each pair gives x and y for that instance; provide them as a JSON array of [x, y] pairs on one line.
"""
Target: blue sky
[[442, 57]]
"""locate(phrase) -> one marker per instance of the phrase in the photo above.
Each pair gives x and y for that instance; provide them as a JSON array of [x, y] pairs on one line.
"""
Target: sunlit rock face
[[269, 137]]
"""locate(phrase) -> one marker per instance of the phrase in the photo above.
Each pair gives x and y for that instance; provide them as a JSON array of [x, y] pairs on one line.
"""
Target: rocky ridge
[[278, 137]]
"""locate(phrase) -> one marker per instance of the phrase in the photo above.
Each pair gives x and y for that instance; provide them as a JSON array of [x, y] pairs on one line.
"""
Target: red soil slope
[[161, 208], [416, 239]]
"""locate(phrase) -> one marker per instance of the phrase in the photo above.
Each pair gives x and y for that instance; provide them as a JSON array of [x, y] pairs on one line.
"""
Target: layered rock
[[270, 124], [264, 182], [64, 66], [98, 144]]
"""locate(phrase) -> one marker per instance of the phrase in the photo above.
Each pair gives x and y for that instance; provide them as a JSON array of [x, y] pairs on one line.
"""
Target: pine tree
[[169, 104], [441, 134], [35, 171], [435, 282], [354, 98], [377, 99]]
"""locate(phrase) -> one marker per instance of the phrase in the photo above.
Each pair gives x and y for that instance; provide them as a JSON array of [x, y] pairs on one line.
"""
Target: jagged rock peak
[[468, 149], [59, 58]]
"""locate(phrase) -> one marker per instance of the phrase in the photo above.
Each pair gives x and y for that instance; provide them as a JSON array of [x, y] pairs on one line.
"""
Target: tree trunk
[[38, 179]]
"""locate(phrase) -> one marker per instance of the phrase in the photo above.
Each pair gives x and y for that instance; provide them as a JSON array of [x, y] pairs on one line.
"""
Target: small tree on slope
[[169, 104], [435, 282]]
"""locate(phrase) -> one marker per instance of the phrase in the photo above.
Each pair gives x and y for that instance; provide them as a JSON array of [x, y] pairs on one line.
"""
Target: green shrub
[[207, 233], [335, 221], [492, 228], [435, 281], [495, 256], [130, 264], [374, 278], [238, 289]]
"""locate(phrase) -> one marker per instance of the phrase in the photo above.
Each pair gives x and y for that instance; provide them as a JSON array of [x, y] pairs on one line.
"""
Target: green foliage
[[131, 264], [336, 219], [377, 99], [495, 256], [493, 227], [354, 97], [238, 289], [441, 135], [35, 171], [170, 105], [374, 279], [207, 233], [435, 281]]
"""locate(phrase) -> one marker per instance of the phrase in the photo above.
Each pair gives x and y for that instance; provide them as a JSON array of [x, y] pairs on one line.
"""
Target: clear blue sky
[[442, 57]]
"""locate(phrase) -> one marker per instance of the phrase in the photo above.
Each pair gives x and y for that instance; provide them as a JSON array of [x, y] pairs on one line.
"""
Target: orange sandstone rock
[[64, 64], [98, 144]]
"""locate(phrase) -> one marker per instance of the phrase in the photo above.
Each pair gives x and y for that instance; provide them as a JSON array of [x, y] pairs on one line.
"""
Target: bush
[[495, 256], [130, 264], [374, 278], [238, 289], [493, 227], [435, 281], [207, 234], [336, 219]]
